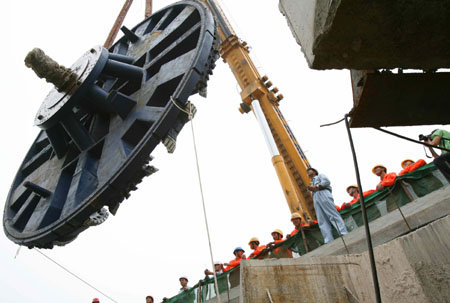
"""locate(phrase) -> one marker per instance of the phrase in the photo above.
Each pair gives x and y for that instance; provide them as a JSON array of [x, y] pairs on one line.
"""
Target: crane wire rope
[[76, 276], [190, 116]]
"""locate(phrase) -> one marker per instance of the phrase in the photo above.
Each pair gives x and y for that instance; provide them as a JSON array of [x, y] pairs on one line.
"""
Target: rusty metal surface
[[388, 99], [117, 24], [96, 153]]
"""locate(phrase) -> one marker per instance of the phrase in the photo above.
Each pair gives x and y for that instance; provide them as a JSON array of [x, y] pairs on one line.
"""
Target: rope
[[190, 116], [67, 270], [17, 252]]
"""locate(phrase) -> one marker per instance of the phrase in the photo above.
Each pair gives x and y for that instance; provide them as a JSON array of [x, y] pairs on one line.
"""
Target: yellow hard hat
[[350, 186], [278, 231], [379, 165], [254, 239], [406, 160], [295, 216]]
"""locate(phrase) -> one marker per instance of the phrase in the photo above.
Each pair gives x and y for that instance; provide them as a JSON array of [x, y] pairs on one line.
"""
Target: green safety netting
[[407, 188]]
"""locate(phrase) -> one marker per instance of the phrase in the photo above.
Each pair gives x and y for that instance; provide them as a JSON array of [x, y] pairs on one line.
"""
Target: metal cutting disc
[[97, 135]]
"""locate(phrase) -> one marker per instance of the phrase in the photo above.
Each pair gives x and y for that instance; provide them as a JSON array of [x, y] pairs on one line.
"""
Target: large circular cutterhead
[[98, 131]]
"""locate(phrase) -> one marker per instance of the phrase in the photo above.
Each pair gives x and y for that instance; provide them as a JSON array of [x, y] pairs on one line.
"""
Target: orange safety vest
[[356, 200], [389, 179], [233, 263], [294, 232], [256, 252], [303, 225], [281, 252], [412, 167]]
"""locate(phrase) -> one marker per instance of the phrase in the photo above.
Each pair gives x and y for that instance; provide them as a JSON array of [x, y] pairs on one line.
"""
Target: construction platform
[[359, 34], [412, 265]]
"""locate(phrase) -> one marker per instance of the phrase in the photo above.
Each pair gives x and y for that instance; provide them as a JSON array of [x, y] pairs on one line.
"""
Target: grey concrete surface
[[360, 34], [414, 268]]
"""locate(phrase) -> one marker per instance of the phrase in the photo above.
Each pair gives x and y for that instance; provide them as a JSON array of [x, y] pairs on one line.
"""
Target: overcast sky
[[159, 233]]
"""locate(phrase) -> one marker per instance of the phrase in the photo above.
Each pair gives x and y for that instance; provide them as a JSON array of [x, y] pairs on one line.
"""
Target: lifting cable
[[411, 140], [79, 278], [190, 113], [364, 214], [363, 210]]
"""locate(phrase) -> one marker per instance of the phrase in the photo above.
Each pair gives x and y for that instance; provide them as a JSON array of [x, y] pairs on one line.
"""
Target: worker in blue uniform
[[326, 212]]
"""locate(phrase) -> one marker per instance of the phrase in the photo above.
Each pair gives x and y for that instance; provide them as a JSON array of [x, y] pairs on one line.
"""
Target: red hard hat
[[95, 300]]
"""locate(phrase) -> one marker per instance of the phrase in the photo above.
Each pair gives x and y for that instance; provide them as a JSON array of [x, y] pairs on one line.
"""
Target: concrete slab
[[412, 266], [360, 34]]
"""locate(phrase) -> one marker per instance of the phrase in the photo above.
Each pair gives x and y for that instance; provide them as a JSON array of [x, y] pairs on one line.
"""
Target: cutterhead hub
[[59, 103]]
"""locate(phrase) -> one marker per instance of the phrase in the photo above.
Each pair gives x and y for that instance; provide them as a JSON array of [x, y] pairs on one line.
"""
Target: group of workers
[[326, 211], [386, 180]]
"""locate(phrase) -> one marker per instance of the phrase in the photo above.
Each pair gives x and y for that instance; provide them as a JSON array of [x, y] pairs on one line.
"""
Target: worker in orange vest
[[353, 191], [277, 236], [257, 249], [385, 178], [279, 252], [409, 165], [239, 254], [296, 219]]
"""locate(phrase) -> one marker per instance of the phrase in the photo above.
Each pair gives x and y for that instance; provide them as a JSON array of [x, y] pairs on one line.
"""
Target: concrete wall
[[360, 34], [414, 268]]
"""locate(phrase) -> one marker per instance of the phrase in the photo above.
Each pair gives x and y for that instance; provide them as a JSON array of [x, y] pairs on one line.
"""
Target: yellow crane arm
[[291, 163]]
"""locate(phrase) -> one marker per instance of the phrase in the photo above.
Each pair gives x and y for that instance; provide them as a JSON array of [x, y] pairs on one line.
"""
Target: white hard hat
[[217, 263], [184, 277]]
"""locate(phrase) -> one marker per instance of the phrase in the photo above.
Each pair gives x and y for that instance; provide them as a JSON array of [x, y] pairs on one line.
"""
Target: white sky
[[159, 233]]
